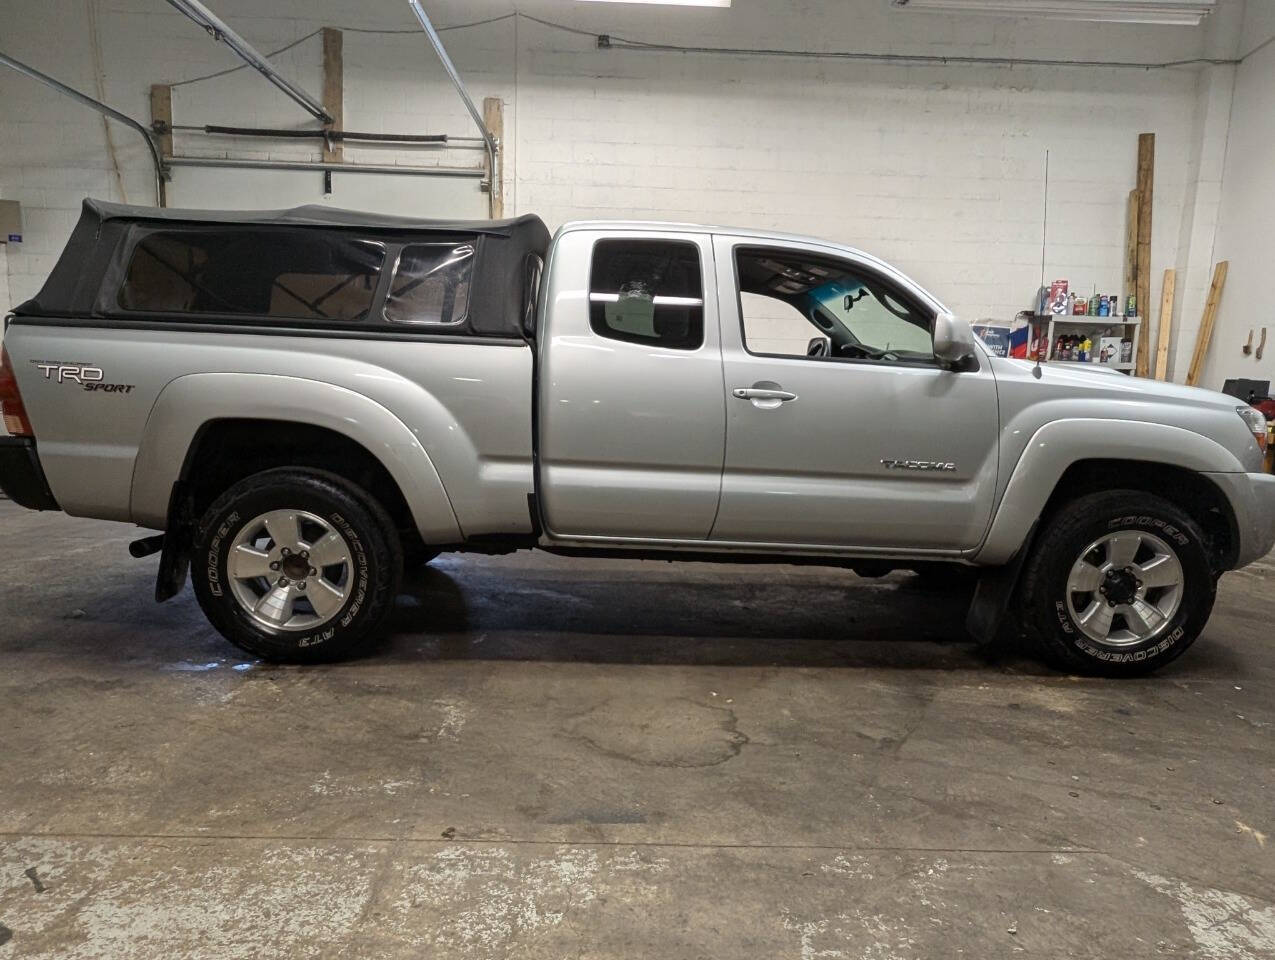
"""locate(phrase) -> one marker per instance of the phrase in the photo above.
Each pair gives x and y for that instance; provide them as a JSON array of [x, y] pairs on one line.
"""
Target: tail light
[[15, 414]]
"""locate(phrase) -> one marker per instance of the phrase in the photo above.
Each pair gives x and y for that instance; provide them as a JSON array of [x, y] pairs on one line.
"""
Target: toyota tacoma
[[304, 404]]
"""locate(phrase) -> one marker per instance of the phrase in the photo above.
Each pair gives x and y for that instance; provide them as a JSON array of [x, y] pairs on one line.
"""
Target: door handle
[[758, 393]]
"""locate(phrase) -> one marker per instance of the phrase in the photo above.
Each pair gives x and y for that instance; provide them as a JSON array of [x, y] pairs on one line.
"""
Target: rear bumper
[[1252, 497], [21, 476]]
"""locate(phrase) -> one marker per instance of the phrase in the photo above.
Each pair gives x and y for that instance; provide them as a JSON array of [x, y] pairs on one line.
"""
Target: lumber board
[[494, 120], [334, 90], [1131, 249], [1205, 336], [1146, 191], [1166, 325]]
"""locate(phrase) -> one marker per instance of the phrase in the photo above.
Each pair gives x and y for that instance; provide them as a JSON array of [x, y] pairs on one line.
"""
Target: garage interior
[[551, 756]]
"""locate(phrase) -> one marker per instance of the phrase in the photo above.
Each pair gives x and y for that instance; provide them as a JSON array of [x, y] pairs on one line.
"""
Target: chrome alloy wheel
[[290, 570], [1125, 588]]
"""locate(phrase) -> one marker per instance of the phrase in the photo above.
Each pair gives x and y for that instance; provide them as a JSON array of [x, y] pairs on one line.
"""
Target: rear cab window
[[648, 292]]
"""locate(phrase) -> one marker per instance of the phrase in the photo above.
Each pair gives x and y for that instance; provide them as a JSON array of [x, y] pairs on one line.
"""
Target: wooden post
[[1131, 247], [333, 91], [1166, 325], [162, 113], [162, 116], [494, 118], [1205, 336], [1146, 184]]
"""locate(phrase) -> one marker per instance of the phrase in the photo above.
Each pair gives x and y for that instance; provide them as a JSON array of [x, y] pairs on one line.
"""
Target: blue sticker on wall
[[15, 238]]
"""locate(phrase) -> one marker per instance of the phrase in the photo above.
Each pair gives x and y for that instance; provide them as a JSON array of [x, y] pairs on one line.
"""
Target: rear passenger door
[[631, 409]]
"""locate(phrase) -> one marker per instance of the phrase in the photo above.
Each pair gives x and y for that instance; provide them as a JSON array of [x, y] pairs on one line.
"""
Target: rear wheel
[[1118, 584], [296, 565]]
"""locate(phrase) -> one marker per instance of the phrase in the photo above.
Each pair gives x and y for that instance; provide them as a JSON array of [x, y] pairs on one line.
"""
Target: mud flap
[[174, 560], [995, 590]]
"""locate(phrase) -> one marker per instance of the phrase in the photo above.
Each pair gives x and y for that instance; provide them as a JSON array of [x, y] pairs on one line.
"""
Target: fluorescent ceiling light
[[1183, 12], [673, 3]]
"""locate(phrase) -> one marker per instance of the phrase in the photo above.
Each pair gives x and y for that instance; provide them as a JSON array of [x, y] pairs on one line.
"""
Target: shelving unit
[[1068, 323], [1122, 367]]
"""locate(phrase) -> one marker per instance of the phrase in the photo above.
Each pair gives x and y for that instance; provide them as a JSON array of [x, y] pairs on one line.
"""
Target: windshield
[[872, 316]]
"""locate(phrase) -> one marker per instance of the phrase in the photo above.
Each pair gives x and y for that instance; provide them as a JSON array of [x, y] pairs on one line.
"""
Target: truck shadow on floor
[[713, 616], [739, 617], [679, 615]]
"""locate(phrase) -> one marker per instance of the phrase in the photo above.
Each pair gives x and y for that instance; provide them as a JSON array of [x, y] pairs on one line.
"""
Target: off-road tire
[[1042, 598], [375, 568]]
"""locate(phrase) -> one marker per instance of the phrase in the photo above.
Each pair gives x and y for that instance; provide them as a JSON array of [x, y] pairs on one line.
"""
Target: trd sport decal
[[83, 375]]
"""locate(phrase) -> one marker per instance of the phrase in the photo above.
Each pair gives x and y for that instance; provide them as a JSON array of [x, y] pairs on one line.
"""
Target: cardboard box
[[1109, 350]]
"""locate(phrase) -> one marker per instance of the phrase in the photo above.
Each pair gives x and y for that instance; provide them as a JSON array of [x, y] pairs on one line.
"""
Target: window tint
[[300, 274], [848, 312], [647, 291], [431, 284]]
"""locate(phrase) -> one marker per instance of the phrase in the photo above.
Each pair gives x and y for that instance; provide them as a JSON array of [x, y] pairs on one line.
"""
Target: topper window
[[431, 284]]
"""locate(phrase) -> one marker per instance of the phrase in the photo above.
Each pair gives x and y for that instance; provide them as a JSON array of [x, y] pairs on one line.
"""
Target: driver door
[[888, 452]]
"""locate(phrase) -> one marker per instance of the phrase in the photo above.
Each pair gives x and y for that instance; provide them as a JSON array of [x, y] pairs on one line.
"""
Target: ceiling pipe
[[493, 148], [221, 31], [161, 172]]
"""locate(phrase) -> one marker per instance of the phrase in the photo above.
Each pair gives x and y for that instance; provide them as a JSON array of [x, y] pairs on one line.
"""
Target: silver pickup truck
[[307, 403]]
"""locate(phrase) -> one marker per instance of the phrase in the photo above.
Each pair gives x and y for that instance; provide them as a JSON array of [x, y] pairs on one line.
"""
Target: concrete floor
[[557, 758]]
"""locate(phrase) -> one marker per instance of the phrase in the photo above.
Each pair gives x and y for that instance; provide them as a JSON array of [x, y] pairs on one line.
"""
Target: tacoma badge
[[917, 465]]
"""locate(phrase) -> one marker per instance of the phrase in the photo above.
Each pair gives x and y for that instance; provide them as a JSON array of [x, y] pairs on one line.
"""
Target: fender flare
[[188, 403], [1053, 448]]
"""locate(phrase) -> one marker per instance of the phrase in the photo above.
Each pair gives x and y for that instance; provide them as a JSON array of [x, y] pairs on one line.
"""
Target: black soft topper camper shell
[[85, 284]]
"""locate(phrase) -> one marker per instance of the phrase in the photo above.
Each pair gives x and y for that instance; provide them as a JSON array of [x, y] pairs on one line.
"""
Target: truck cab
[[732, 390]]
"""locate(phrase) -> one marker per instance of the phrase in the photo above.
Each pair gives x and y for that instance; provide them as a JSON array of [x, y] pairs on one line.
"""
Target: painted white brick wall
[[936, 168], [1247, 215]]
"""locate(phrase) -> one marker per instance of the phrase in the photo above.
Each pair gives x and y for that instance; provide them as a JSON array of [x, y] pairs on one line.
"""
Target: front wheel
[[1118, 584], [296, 565]]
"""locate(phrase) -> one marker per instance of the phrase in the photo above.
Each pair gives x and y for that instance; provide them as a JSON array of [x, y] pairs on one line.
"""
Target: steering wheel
[[865, 351]]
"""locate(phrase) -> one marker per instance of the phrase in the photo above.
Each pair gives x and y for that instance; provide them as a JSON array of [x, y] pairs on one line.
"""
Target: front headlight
[[1256, 423]]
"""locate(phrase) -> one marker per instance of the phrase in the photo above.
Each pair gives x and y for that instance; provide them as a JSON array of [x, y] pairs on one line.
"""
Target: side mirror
[[953, 338]]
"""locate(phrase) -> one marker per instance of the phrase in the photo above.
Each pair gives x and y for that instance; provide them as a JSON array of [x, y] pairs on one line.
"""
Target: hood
[[1030, 397], [1098, 380]]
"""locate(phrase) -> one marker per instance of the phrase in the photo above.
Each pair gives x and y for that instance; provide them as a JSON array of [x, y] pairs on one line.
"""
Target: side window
[[281, 272], [773, 326], [649, 292], [847, 312], [431, 284]]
